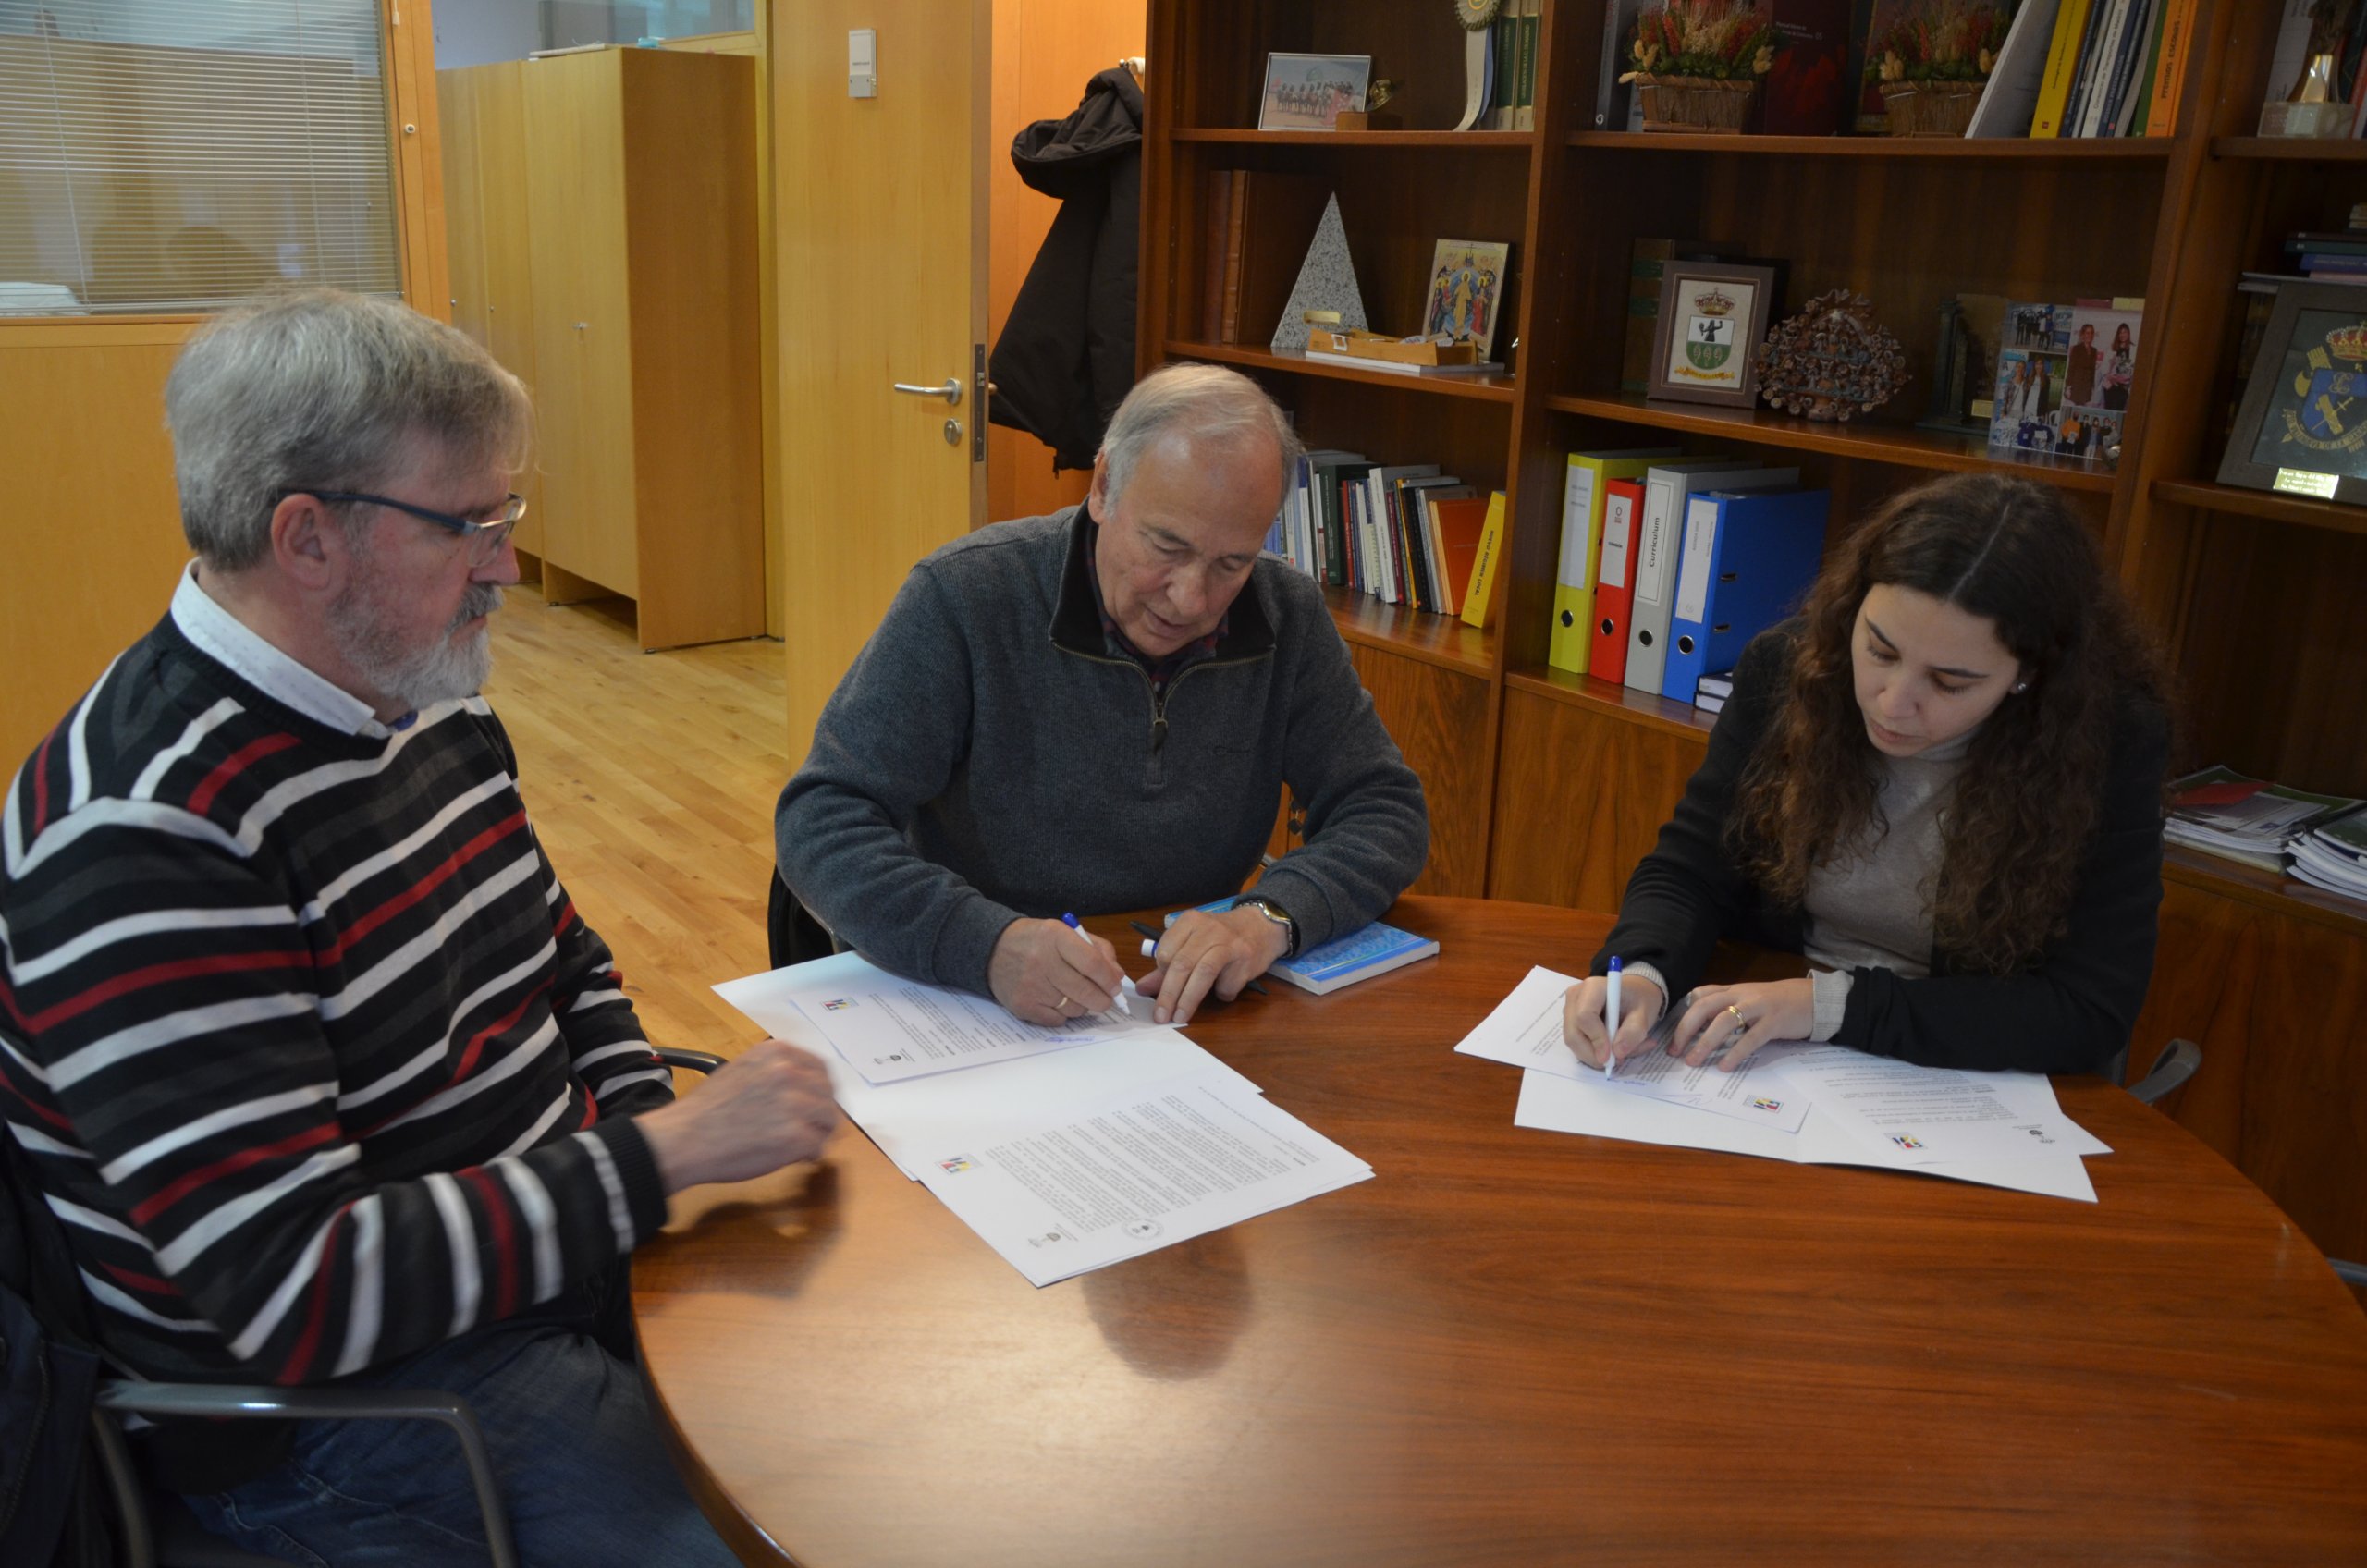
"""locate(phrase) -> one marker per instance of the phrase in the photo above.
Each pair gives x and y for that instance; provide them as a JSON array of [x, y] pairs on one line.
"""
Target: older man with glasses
[[300, 1034]]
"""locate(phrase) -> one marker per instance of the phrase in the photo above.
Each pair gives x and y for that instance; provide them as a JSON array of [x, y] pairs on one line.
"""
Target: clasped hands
[[1747, 1015], [1043, 974]]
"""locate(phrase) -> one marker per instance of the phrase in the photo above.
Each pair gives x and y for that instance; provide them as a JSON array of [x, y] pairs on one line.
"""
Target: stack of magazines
[[2333, 855], [2224, 813]]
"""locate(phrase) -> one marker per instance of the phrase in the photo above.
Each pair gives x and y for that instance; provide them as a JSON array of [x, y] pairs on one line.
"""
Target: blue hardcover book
[[1748, 559], [1375, 950]]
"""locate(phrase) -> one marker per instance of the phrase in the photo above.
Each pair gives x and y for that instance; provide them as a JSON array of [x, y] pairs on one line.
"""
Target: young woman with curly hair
[[1942, 785]]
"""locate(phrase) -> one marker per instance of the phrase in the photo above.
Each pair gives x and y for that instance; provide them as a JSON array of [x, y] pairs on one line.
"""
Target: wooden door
[[499, 107], [880, 206]]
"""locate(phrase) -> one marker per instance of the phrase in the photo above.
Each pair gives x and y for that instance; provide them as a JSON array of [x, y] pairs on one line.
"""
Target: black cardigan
[[2069, 1012]]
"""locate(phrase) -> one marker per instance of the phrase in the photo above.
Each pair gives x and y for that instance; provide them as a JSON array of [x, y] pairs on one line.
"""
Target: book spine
[[1606, 86], [2062, 59], [2169, 80], [2075, 112], [1525, 115], [1235, 235], [1506, 37], [1483, 569], [2113, 66], [2140, 112]]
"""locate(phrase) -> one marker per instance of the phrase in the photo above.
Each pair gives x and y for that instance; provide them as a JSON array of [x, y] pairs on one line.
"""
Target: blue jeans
[[576, 1453]]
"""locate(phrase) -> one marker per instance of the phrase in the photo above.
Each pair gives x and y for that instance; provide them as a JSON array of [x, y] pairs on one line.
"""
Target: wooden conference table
[[1524, 1348]]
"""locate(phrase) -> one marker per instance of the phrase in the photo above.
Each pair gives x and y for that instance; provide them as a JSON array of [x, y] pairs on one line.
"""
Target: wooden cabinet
[[1549, 787], [604, 232]]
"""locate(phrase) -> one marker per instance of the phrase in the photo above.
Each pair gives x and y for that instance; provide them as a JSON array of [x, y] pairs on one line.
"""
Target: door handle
[[950, 390]]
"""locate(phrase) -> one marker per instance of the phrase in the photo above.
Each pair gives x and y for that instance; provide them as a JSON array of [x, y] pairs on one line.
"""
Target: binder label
[[1617, 518]]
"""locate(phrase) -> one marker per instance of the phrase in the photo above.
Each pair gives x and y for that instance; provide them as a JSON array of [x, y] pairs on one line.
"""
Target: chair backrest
[[791, 933], [52, 1511]]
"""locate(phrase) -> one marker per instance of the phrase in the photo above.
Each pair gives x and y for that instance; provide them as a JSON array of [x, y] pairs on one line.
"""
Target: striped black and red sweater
[[308, 1046]]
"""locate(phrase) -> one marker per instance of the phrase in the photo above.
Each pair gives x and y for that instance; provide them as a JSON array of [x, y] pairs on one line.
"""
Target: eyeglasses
[[486, 536]]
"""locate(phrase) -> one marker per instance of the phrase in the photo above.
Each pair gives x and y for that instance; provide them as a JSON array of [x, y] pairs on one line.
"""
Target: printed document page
[[1567, 1105], [1063, 1195], [1526, 1031], [1925, 1114], [890, 1029]]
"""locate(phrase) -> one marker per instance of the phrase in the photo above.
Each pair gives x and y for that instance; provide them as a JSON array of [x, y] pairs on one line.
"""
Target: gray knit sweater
[[986, 758]]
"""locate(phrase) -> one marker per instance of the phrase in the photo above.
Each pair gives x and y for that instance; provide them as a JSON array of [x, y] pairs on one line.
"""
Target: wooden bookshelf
[[1860, 440], [1487, 388], [1546, 786], [2290, 149], [1931, 148], [2302, 511], [1361, 140]]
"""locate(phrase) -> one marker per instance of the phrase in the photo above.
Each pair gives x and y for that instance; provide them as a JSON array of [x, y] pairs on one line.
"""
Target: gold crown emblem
[[1716, 302], [2348, 342]]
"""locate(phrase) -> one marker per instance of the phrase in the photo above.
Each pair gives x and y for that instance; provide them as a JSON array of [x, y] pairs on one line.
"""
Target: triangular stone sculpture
[[1327, 281]]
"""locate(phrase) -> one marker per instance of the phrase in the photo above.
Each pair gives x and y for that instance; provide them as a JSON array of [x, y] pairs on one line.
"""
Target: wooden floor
[[650, 779]]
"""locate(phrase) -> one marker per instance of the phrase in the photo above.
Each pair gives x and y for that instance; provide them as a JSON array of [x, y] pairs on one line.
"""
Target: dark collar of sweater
[[1078, 619]]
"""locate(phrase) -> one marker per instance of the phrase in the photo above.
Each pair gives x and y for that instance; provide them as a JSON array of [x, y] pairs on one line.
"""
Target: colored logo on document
[[957, 1165], [1902, 1141], [839, 1006], [1764, 1104]]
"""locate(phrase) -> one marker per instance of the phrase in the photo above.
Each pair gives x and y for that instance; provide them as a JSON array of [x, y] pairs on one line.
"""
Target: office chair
[[792, 934], [2171, 1070], [153, 1529]]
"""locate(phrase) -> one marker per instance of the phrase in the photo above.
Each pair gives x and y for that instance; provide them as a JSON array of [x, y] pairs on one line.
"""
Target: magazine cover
[[2098, 367]]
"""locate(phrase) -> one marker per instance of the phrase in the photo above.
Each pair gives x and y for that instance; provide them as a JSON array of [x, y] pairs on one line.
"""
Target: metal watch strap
[[1274, 913]]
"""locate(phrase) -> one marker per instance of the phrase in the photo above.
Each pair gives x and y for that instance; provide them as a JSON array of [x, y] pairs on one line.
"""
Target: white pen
[[1610, 1016], [1117, 1004]]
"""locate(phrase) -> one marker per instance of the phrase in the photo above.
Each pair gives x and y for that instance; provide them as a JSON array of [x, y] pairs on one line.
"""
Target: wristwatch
[[1274, 913]]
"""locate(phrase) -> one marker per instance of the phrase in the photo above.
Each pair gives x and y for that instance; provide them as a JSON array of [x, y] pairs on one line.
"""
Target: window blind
[[176, 156]]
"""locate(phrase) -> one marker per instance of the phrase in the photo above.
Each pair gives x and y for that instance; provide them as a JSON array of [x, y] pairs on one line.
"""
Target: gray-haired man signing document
[[1097, 711]]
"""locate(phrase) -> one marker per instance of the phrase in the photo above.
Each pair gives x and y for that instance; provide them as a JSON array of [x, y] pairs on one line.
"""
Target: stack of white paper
[[1064, 1160], [1823, 1105]]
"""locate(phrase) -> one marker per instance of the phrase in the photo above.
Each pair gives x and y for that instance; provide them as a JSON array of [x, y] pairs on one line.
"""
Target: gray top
[[1871, 905], [986, 758]]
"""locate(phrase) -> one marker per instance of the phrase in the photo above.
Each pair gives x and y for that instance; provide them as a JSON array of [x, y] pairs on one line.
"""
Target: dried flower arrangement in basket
[[1934, 61], [1698, 63], [1831, 360]]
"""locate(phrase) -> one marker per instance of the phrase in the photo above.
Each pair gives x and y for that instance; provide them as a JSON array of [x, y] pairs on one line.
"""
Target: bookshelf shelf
[[1901, 445], [1985, 149], [2290, 149], [1443, 641], [1362, 141], [2300, 510], [1483, 388], [2263, 890], [1611, 700]]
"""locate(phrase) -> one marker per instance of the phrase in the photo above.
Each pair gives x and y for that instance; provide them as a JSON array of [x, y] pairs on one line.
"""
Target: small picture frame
[[1466, 289], [1706, 338], [2302, 427], [1311, 92]]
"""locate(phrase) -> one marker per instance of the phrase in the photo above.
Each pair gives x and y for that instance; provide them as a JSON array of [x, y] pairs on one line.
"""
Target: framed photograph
[[1705, 341], [2302, 425], [1311, 92], [1466, 289]]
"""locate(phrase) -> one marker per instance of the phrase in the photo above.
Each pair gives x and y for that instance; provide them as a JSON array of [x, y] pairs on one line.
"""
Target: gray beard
[[416, 677]]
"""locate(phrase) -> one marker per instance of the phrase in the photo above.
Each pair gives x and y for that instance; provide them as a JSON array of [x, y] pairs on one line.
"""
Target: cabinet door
[[456, 108], [552, 180], [499, 108], [604, 407]]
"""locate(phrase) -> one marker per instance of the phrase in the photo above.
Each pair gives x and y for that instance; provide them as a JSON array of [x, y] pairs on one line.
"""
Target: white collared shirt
[[223, 636]]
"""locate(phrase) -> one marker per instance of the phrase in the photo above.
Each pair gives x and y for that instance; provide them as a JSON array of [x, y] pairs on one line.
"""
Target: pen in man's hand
[[1117, 1004], [1610, 1016], [1150, 935]]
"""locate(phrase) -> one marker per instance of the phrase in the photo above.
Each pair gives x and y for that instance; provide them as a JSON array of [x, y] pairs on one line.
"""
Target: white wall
[[478, 32]]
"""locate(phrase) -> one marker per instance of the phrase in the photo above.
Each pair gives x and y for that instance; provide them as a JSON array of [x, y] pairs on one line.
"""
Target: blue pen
[[1076, 925], [1610, 1016]]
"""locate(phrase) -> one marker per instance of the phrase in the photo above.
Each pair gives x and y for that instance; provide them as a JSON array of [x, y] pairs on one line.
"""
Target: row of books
[[2321, 839], [2113, 67], [1404, 532], [2064, 68], [1669, 565], [1509, 99]]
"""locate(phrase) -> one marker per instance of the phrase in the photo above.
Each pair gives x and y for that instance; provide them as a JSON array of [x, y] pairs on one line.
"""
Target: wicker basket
[[1930, 108], [1697, 104]]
